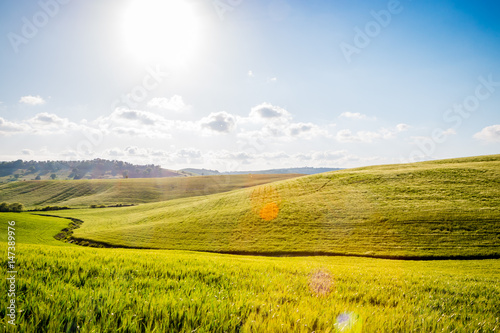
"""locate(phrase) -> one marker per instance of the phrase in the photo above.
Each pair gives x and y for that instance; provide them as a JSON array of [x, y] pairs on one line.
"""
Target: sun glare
[[161, 31]]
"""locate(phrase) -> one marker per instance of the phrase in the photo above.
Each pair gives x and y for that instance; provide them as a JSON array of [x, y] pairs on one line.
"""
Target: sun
[[161, 31]]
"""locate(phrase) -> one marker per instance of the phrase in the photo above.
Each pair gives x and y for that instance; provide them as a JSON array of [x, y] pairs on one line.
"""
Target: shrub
[[13, 207]]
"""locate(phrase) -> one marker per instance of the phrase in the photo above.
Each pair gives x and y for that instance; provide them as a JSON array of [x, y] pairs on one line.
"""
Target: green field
[[444, 209], [431, 210], [83, 193], [70, 289]]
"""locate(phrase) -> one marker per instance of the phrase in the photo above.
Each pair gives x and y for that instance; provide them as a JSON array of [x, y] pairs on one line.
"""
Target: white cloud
[[489, 134], [305, 130], [115, 152], [135, 151], [243, 157], [356, 115], [7, 127], [189, 153], [269, 112], [45, 119], [49, 123], [27, 152], [346, 135], [277, 125], [126, 122], [275, 156], [175, 103], [123, 115], [219, 122], [329, 155], [250, 74], [449, 131], [42, 124], [273, 79], [32, 100], [402, 127]]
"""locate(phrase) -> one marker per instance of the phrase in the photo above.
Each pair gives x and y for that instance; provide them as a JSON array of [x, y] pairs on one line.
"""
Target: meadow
[[432, 210], [75, 289]]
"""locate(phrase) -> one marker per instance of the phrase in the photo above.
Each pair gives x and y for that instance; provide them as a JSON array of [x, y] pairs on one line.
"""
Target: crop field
[[433, 210], [441, 209], [75, 289], [83, 193]]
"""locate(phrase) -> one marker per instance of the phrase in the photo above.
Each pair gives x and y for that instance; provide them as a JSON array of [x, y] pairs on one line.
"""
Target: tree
[[38, 177], [125, 174], [53, 176], [16, 207], [13, 207]]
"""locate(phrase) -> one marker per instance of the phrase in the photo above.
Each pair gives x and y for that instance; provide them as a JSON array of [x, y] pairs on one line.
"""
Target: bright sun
[[161, 31]]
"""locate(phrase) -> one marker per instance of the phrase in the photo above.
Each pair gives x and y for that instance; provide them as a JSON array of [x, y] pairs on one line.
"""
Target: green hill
[[447, 208], [83, 193]]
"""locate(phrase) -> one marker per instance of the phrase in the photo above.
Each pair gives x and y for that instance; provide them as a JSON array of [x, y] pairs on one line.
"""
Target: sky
[[239, 85]]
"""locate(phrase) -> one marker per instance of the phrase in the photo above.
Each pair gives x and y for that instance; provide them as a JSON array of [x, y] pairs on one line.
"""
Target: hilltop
[[94, 169], [437, 209]]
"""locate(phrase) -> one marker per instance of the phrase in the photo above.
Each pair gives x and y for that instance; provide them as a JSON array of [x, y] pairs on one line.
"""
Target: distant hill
[[94, 169], [201, 172], [303, 171]]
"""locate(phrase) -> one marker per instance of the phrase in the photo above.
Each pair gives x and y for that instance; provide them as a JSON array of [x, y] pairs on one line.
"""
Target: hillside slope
[[82, 193], [448, 208]]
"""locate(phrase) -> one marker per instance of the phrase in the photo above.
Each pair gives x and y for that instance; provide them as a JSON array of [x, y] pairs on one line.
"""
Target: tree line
[[96, 168]]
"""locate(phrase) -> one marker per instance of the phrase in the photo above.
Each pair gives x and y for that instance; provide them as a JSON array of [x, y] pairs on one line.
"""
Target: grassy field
[[447, 208], [33, 229], [74, 289], [432, 209], [83, 193]]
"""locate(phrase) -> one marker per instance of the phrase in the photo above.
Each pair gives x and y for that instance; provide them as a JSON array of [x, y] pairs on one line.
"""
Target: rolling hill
[[437, 209], [83, 193]]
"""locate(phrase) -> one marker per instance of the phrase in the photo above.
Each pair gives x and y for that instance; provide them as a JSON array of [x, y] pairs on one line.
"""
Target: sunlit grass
[[118, 290]]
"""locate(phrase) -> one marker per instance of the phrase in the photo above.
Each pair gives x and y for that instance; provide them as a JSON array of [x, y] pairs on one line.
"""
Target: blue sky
[[247, 85]]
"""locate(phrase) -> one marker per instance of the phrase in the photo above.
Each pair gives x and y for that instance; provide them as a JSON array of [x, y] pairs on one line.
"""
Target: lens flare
[[269, 212], [266, 202], [349, 322], [320, 283]]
